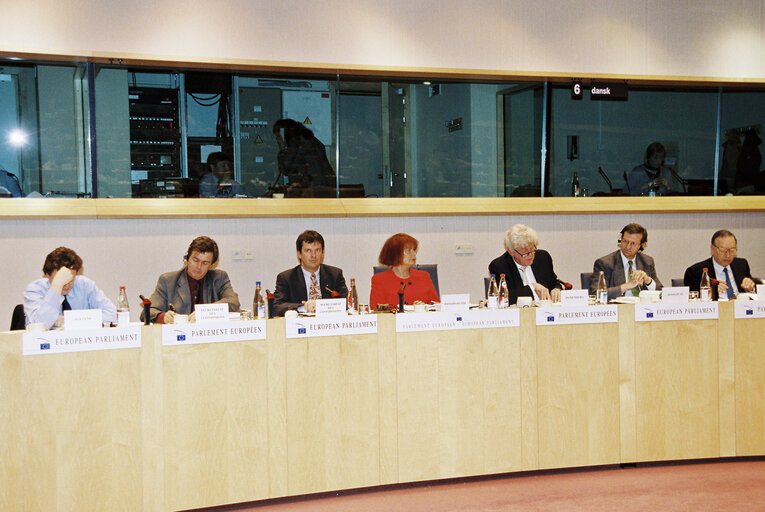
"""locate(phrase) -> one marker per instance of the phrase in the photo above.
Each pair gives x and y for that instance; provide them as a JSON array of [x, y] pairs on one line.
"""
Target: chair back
[[431, 269], [18, 319], [586, 277], [678, 282]]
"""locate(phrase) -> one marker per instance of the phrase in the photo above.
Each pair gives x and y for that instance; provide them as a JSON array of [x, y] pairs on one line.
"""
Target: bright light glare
[[17, 137]]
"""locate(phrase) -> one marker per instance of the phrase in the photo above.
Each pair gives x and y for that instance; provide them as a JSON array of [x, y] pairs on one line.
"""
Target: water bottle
[[705, 287], [493, 302], [258, 304], [575, 185], [504, 294], [601, 292], [123, 309], [353, 298]]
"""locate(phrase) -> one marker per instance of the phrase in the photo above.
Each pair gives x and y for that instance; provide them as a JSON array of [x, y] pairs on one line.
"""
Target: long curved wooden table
[[172, 428]]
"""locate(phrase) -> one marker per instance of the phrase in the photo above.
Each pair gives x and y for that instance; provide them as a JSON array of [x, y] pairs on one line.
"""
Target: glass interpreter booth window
[[605, 143], [96, 130]]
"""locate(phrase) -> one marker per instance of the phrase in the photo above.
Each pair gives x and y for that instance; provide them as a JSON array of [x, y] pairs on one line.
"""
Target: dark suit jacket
[[613, 270], [173, 288], [290, 289], [692, 278], [542, 268]]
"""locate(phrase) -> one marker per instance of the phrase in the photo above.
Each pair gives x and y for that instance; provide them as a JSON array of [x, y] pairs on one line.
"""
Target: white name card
[[455, 302], [311, 327], [678, 311], [211, 312], [453, 320], [761, 291], [578, 315], [213, 332], [58, 342], [674, 294], [573, 298], [750, 308], [82, 319], [329, 307]]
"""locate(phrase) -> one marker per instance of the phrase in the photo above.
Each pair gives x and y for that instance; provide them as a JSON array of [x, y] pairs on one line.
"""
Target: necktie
[[527, 277], [636, 290], [314, 292], [65, 305], [727, 281]]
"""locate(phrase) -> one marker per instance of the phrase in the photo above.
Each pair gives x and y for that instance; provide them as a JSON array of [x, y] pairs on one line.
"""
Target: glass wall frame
[[86, 131]]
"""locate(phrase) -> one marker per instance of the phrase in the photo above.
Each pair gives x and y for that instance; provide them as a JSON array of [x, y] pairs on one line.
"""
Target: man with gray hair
[[528, 270], [731, 273]]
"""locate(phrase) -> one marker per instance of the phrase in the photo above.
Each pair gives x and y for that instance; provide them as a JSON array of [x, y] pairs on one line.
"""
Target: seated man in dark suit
[[196, 283], [628, 270], [299, 287], [721, 266], [528, 270]]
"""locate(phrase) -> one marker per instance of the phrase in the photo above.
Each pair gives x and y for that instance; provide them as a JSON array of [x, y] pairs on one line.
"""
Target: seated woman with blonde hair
[[400, 254]]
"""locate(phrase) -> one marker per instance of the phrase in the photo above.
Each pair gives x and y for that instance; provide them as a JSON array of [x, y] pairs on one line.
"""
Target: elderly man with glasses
[[731, 273], [528, 270], [627, 270]]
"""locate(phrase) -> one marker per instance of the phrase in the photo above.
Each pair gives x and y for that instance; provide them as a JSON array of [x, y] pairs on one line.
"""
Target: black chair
[[678, 282], [18, 319], [430, 269], [585, 278]]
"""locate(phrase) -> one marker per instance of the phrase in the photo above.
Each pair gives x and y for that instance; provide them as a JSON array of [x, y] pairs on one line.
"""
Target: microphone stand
[[401, 298], [679, 179]]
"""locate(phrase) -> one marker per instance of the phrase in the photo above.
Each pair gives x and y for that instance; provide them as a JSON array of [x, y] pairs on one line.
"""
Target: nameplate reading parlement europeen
[[213, 332], [310, 327], [559, 315], [452, 320], [59, 342], [688, 311]]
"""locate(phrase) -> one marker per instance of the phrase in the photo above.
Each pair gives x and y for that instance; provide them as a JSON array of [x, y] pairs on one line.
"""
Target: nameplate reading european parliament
[[750, 309], [213, 332], [605, 314], [59, 342], [311, 327], [211, 312], [678, 311], [451, 320]]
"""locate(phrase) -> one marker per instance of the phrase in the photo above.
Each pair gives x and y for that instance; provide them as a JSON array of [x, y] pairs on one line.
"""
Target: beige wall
[[134, 252], [648, 37]]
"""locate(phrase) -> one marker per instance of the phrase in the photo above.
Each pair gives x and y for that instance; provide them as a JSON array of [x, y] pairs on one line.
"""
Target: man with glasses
[[528, 270], [628, 270], [731, 273]]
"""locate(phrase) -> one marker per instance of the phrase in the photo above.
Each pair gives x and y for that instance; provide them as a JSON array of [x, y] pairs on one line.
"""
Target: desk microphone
[[146, 310], [401, 297]]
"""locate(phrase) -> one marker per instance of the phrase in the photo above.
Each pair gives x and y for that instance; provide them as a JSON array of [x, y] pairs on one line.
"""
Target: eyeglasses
[[525, 254], [732, 251]]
